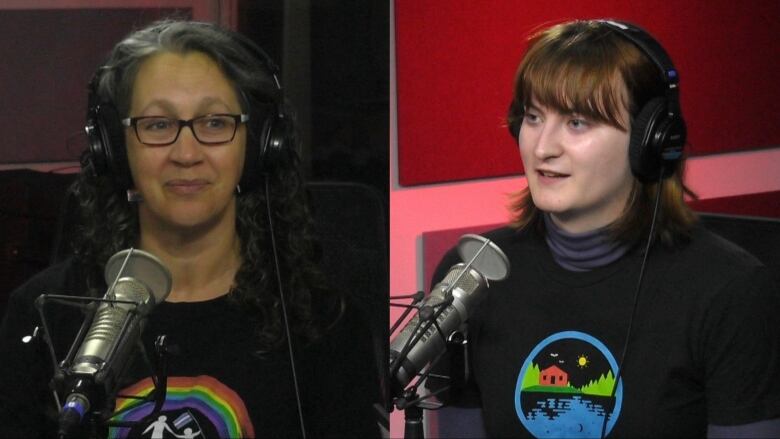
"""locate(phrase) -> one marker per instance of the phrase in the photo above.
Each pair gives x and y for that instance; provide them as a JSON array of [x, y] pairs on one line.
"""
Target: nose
[[548, 139], [186, 150]]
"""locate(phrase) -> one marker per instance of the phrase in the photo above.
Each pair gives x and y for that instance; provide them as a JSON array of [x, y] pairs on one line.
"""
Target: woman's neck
[[203, 261], [581, 251]]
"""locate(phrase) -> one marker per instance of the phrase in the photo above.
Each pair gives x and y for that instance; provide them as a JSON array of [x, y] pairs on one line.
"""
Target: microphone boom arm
[[159, 374]]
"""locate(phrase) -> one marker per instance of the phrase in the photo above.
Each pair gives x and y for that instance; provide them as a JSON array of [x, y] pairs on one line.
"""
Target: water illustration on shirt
[[564, 387], [195, 407]]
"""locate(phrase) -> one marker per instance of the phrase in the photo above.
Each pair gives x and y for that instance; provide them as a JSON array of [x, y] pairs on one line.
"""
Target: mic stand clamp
[[409, 400], [413, 404], [99, 418]]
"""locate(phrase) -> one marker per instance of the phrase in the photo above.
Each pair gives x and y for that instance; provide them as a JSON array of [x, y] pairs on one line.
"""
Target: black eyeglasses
[[211, 129]]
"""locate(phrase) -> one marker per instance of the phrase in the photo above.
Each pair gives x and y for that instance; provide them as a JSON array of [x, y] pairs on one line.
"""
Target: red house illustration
[[553, 376]]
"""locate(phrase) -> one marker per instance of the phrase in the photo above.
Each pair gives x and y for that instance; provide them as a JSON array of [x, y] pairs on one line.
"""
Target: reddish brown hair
[[587, 68]]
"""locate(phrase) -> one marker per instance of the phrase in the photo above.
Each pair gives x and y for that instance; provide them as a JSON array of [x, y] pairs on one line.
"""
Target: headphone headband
[[106, 135], [658, 133], [657, 54]]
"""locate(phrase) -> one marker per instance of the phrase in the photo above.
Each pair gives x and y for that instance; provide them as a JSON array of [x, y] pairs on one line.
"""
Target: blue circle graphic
[[567, 414]]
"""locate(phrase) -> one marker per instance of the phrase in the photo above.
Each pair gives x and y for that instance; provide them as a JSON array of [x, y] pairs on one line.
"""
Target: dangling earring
[[238, 189], [133, 196]]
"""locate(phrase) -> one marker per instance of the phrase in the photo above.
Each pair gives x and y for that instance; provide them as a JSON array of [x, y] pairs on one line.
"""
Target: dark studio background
[[334, 60]]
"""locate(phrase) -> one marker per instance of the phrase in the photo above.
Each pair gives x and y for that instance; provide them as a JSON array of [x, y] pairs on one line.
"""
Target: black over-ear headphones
[[658, 132], [106, 134], [275, 146], [106, 137]]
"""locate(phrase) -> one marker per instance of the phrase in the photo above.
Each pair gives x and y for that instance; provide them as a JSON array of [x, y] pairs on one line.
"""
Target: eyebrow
[[535, 107], [162, 103], [169, 107], [532, 107]]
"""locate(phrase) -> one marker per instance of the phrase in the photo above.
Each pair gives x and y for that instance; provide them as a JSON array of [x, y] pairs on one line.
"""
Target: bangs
[[577, 75]]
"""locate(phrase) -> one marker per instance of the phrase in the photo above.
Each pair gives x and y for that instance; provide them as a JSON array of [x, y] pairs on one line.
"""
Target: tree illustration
[[602, 387], [531, 377]]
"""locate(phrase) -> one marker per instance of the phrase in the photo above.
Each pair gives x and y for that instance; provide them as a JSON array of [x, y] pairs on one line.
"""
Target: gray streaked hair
[[250, 70], [107, 223]]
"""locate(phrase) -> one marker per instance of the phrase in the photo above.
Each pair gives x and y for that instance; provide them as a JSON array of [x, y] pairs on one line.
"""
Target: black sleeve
[[26, 405], [741, 347]]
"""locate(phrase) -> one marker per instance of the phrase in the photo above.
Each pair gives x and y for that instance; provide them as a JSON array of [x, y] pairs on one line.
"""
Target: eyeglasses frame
[[133, 122]]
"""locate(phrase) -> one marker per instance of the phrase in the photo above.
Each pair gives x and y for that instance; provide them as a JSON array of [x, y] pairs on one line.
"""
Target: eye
[[155, 124], [579, 123], [215, 123], [531, 118]]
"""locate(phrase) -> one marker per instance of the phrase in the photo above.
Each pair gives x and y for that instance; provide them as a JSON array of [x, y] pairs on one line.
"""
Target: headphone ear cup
[[271, 150], [96, 162], [643, 152], [275, 143], [107, 145]]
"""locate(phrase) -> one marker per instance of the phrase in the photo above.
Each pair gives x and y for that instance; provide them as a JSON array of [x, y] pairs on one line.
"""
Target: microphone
[[139, 281], [419, 343]]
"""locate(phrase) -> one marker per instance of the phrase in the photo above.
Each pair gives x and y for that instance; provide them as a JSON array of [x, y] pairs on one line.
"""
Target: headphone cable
[[619, 372], [284, 308]]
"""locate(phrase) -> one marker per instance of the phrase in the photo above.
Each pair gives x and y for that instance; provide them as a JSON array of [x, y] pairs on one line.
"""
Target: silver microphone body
[[461, 289], [103, 341], [466, 293], [138, 281]]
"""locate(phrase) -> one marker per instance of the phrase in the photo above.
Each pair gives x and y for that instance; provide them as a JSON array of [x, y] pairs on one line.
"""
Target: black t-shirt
[[704, 346], [218, 384]]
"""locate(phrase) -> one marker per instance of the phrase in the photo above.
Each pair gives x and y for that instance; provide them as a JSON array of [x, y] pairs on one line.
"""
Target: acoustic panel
[[456, 63], [760, 205], [51, 55]]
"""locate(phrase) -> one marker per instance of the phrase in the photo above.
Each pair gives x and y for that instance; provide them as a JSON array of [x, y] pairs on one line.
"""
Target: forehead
[[574, 89], [182, 80], [574, 78]]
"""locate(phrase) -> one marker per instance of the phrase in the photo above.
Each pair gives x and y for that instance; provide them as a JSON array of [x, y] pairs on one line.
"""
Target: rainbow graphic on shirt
[[198, 406]]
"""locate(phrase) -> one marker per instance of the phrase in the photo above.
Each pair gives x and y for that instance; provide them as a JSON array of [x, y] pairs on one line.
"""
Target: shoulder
[[508, 239], [718, 251], [60, 278], [712, 261], [718, 273]]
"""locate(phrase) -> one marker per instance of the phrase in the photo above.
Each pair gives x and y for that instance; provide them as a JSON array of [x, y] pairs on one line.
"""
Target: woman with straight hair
[[621, 316]]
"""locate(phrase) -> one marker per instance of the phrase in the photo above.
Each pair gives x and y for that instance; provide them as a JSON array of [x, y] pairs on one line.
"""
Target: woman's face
[[186, 184], [577, 169]]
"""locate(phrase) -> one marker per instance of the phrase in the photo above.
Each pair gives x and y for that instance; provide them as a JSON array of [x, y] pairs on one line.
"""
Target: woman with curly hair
[[192, 160]]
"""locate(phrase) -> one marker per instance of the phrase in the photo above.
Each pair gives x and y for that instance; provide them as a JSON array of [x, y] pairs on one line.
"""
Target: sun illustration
[[582, 361]]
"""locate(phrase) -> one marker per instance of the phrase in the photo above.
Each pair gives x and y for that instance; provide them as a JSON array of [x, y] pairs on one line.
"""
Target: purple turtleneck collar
[[581, 251]]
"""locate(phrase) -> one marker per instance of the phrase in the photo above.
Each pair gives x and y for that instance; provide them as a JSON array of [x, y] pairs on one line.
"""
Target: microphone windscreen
[[490, 261], [143, 267]]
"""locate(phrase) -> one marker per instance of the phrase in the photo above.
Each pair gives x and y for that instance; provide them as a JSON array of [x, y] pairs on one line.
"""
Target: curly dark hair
[[109, 223]]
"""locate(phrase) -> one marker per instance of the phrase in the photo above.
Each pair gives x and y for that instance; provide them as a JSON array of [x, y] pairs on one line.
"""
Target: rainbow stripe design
[[222, 406]]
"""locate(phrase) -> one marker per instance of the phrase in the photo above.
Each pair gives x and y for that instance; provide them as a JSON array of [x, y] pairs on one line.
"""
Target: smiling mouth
[[186, 186], [550, 174]]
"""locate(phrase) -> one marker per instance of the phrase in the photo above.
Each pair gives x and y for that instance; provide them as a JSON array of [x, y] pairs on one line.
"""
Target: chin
[[548, 205], [194, 218], [186, 219]]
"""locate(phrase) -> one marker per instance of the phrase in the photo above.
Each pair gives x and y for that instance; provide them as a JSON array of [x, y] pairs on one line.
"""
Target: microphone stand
[[409, 399], [101, 415]]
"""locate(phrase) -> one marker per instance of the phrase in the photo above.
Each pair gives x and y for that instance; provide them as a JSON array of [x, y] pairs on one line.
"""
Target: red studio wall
[[456, 61]]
